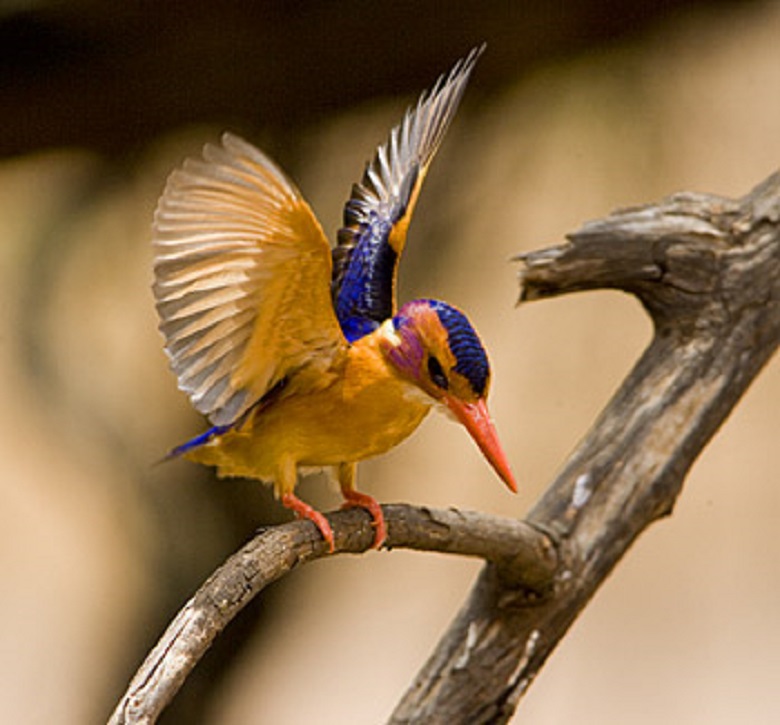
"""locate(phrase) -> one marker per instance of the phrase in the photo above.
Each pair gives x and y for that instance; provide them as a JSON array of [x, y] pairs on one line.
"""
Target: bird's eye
[[436, 372]]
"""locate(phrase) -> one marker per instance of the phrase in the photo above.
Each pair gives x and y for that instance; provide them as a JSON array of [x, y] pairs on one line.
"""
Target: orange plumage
[[299, 356]]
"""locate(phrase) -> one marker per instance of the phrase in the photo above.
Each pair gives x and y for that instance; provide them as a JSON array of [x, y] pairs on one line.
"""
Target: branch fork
[[707, 270]]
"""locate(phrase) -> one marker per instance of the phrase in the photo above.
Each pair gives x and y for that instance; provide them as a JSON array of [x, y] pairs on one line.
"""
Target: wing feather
[[241, 280], [376, 217]]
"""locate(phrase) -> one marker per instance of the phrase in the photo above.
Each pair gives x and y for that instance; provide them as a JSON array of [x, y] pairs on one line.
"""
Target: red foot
[[356, 498], [304, 511]]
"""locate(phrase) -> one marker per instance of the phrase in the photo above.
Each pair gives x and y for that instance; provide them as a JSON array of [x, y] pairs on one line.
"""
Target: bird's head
[[434, 346]]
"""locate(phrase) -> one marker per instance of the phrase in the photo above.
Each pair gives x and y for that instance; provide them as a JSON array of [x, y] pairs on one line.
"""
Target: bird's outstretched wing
[[242, 272], [376, 217]]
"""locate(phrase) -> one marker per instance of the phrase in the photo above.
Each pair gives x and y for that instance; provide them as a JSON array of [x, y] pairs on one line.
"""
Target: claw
[[304, 511], [354, 498]]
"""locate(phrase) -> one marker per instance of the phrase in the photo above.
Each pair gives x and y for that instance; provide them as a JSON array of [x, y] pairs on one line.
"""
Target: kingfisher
[[298, 353]]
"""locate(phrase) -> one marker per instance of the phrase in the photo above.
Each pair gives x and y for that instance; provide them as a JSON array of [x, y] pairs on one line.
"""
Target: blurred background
[[575, 109]]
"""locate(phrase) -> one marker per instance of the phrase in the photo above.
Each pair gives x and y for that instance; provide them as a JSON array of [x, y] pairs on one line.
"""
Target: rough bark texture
[[518, 547], [707, 269]]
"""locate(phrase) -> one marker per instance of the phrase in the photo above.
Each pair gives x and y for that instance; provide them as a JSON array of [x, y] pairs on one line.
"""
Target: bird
[[297, 353]]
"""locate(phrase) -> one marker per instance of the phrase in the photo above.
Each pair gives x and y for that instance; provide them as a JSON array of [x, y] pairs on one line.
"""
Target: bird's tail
[[199, 440]]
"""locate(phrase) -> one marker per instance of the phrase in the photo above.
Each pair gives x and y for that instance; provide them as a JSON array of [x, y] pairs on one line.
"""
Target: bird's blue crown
[[463, 341]]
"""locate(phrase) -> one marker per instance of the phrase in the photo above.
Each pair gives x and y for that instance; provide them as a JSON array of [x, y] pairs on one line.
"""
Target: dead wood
[[707, 269]]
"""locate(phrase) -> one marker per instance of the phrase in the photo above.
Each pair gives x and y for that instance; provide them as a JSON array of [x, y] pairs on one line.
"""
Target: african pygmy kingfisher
[[297, 353]]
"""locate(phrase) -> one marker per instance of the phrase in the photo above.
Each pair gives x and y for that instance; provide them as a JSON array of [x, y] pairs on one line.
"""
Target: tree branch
[[707, 269], [517, 548]]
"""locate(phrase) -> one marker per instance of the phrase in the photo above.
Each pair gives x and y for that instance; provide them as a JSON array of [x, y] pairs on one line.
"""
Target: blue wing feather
[[213, 432], [364, 299], [365, 260]]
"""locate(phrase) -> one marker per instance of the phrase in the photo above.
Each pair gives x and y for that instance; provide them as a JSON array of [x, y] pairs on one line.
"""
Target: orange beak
[[476, 418]]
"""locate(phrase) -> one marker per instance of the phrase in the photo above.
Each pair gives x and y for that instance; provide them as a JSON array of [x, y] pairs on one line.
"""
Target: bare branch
[[520, 551], [708, 271]]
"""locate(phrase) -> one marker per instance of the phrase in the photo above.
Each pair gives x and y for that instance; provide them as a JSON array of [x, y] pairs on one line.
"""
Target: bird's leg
[[285, 482], [352, 497]]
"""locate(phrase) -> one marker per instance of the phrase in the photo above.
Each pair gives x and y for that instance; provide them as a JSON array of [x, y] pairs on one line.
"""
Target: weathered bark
[[707, 269], [517, 546]]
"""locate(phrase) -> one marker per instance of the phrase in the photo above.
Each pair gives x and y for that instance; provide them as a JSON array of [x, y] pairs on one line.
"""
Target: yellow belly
[[363, 413]]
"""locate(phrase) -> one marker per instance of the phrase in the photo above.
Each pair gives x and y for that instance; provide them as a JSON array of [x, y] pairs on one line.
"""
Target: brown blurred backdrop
[[575, 109]]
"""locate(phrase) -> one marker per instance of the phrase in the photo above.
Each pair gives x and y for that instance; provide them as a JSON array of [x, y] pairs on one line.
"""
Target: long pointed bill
[[476, 418]]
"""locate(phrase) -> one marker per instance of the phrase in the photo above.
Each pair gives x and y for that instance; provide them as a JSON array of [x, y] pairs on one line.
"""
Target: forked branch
[[518, 549], [707, 269]]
